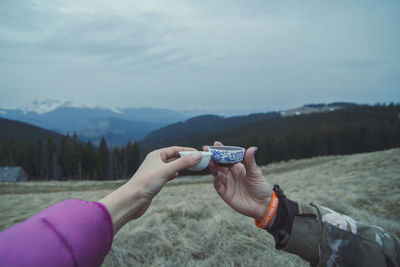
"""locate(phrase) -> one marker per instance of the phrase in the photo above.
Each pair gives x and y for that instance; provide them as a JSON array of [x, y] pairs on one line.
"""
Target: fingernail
[[196, 156], [255, 150]]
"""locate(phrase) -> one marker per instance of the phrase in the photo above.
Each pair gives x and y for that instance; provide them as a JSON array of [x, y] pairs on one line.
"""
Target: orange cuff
[[273, 206]]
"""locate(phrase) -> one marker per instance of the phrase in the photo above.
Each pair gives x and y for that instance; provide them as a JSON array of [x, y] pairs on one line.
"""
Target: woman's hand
[[131, 200], [243, 186], [160, 166]]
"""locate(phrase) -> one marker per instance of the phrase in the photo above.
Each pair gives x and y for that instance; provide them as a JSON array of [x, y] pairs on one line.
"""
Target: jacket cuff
[[295, 228], [305, 235], [281, 226]]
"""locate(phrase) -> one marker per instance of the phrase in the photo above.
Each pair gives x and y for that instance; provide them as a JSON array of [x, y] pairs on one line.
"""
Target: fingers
[[173, 176], [238, 170], [183, 163], [216, 143], [212, 166], [250, 162], [172, 152], [220, 184], [214, 169], [221, 178], [220, 188], [172, 159]]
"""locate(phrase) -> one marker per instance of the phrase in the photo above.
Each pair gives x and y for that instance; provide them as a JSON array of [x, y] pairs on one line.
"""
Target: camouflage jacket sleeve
[[324, 237]]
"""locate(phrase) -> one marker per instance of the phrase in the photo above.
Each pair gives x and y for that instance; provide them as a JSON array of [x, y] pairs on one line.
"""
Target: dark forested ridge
[[23, 131], [353, 129], [197, 127], [209, 124], [47, 155]]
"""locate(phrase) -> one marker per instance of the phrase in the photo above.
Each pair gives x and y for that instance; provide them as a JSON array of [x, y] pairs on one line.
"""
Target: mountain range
[[91, 122], [120, 125]]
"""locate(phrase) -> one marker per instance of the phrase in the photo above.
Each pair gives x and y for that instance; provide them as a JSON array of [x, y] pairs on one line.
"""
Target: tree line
[[47, 159], [350, 130], [355, 129]]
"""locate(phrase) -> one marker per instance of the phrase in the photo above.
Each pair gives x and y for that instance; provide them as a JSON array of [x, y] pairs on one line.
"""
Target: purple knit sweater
[[69, 233]]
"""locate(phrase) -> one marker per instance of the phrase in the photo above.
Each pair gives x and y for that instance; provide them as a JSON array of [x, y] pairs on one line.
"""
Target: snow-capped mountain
[[48, 104], [44, 106], [90, 122], [315, 108]]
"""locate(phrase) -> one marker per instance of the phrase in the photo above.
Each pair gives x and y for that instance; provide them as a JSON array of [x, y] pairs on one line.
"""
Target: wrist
[[269, 215], [262, 210], [124, 204]]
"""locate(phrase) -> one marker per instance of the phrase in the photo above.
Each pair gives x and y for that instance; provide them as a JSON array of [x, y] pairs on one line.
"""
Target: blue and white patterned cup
[[227, 155]]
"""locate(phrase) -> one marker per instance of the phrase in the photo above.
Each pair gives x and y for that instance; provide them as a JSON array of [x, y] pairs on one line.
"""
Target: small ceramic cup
[[227, 155], [205, 159]]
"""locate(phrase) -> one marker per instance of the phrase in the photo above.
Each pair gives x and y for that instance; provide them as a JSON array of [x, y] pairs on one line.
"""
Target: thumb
[[250, 162], [184, 162]]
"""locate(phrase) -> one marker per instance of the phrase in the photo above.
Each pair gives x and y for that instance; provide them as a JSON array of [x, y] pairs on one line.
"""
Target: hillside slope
[[359, 184], [189, 225], [20, 131]]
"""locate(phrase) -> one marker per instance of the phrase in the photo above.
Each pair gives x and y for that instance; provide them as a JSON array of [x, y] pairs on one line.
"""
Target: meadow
[[188, 224]]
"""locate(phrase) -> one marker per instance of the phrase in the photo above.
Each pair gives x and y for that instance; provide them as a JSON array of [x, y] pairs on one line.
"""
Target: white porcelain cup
[[205, 159]]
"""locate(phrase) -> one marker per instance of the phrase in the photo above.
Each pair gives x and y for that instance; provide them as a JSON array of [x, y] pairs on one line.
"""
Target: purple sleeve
[[69, 233]]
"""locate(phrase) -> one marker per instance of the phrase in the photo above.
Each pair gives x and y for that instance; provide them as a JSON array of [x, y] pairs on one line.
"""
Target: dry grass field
[[188, 224]]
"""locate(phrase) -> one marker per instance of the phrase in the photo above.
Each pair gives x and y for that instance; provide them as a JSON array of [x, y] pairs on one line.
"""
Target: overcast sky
[[199, 54]]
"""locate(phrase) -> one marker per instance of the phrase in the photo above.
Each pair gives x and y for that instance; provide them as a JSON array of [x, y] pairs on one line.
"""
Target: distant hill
[[348, 130], [198, 127], [20, 131], [195, 129]]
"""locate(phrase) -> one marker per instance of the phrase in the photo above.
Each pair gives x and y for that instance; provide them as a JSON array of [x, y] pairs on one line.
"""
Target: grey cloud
[[241, 51], [116, 41]]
